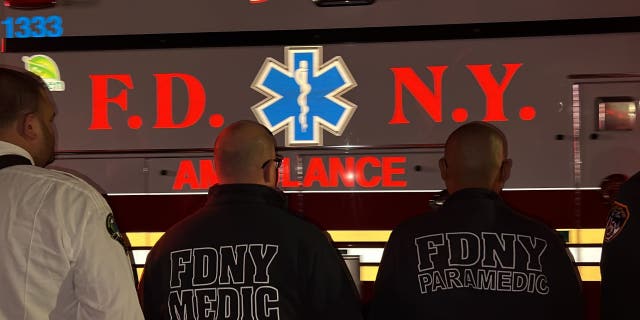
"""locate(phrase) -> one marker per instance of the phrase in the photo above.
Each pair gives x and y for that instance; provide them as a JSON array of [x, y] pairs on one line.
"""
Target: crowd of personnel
[[244, 256]]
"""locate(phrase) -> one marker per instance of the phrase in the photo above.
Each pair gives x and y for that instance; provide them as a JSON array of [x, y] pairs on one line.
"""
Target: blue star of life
[[304, 96]]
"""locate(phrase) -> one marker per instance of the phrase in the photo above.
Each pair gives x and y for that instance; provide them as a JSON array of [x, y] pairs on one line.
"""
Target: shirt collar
[[10, 148]]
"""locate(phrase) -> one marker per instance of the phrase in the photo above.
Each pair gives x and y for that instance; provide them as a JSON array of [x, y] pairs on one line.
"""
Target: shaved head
[[475, 157], [239, 152]]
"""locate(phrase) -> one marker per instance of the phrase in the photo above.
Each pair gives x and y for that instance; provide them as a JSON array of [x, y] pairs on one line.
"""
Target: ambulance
[[360, 95]]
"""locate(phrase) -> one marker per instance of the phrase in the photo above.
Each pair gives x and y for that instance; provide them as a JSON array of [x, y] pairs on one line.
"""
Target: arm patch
[[113, 230], [618, 217]]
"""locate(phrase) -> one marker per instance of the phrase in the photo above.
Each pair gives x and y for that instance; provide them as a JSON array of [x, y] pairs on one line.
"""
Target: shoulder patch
[[618, 217], [113, 230]]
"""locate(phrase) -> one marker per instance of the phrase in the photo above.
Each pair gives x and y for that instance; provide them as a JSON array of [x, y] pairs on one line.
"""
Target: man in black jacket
[[243, 256], [475, 258], [620, 256]]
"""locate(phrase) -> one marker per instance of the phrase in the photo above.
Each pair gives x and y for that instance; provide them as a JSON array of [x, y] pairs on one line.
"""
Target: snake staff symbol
[[302, 79], [304, 96]]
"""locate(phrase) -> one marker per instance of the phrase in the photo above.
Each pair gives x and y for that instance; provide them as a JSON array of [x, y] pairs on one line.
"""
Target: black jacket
[[620, 260], [242, 256], [476, 259]]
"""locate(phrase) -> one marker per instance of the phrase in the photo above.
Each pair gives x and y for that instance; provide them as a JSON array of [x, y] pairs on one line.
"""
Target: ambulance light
[[29, 4]]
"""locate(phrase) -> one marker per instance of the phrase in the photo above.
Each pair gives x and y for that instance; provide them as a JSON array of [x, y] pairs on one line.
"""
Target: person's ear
[[442, 163], [29, 127], [267, 174], [505, 170]]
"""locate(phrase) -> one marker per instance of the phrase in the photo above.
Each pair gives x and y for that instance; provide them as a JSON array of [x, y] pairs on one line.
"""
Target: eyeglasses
[[277, 160]]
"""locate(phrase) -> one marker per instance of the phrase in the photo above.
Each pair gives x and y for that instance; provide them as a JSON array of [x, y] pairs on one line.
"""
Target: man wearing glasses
[[243, 256]]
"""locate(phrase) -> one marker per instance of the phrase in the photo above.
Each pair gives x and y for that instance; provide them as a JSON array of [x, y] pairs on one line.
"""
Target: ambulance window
[[616, 113]]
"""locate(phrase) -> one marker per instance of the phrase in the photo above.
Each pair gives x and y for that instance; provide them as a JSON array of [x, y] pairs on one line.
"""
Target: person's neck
[[455, 188]]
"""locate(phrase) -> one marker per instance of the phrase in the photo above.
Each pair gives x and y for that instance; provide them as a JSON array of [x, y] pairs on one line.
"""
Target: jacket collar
[[472, 193], [10, 148], [245, 193]]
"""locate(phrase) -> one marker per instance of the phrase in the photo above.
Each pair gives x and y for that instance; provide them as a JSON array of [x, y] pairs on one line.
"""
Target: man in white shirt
[[60, 256]]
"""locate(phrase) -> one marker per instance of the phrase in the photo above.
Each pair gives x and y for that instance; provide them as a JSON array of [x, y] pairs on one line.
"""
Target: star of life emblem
[[304, 96]]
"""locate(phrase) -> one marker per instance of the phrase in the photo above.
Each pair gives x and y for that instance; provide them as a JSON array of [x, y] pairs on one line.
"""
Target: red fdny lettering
[[195, 106], [431, 100], [341, 170], [164, 106], [174, 115], [100, 101], [389, 170], [332, 172], [316, 173], [493, 91], [362, 166], [187, 176], [285, 175]]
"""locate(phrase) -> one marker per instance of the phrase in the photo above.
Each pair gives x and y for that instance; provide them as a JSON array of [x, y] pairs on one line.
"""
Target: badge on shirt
[[618, 217], [113, 230]]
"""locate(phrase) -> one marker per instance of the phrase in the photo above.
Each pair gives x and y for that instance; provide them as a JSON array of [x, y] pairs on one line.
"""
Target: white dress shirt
[[57, 257]]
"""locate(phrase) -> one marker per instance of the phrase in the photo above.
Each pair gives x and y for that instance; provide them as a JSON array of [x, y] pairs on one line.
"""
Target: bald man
[[243, 256], [475, 258]]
